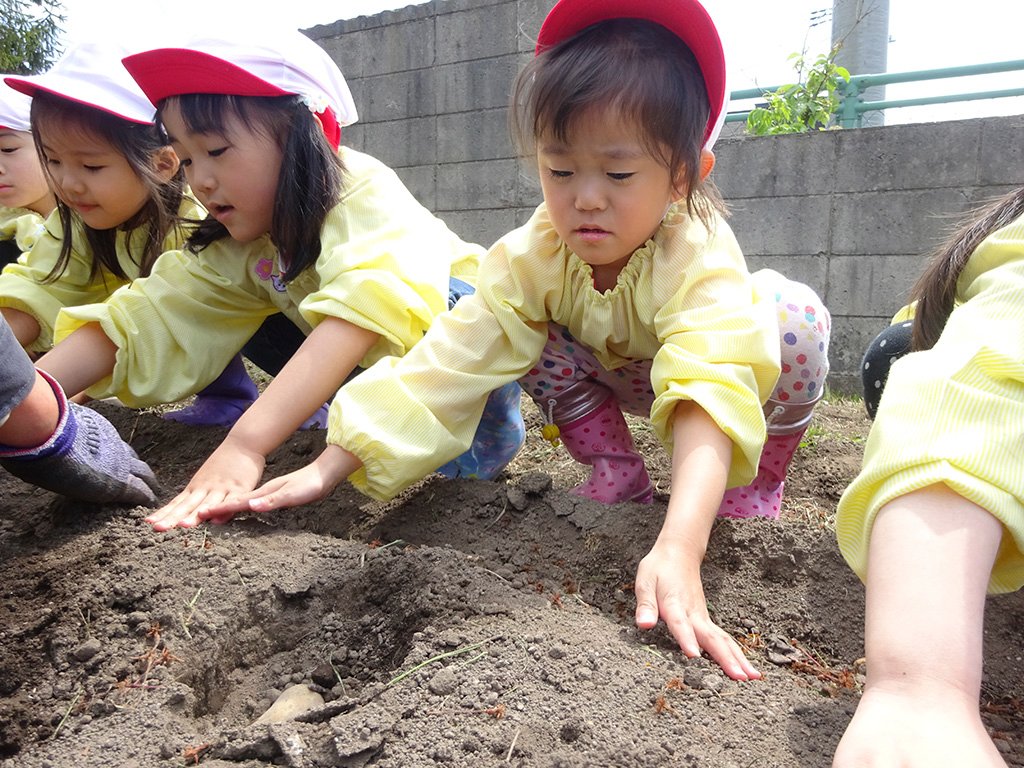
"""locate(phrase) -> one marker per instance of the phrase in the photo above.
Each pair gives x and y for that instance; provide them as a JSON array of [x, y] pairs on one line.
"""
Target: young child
[[62, 446], [625, 291], [25, 196], [934, 519], [326, 238], [120, 196]]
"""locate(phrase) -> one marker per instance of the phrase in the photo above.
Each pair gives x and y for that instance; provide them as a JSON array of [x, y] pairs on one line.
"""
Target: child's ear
[[707, 162], [165, 163]]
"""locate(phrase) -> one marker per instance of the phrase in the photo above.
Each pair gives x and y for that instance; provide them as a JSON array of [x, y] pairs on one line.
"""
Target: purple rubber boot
[[222, 402]]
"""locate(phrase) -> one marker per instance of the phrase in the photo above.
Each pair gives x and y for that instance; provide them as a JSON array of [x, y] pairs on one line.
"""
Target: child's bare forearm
[[700, 465], [82, 359], [930, 559]]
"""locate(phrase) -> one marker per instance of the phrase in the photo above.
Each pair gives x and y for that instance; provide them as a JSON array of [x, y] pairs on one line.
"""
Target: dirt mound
[[467, 623]]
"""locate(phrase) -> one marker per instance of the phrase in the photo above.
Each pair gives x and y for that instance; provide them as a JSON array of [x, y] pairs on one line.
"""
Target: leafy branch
[[806, 105], [29, 35]]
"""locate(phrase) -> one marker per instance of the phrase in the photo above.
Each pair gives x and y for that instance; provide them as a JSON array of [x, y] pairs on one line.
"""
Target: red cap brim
[[166, 72]]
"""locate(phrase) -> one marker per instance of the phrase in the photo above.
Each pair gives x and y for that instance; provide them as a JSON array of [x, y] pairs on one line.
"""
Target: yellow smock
[[23, 284], [21, 225], [952, 414], [384, 265], [684, 300]]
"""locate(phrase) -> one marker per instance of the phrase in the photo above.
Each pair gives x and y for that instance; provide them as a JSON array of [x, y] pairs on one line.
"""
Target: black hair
[[936, 290], [636, 67], [138, 143], [310, 183]]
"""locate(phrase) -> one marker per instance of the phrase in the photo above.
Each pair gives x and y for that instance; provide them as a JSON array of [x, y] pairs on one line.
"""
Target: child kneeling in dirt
[[61, 446], [934, 519], [625, 291]]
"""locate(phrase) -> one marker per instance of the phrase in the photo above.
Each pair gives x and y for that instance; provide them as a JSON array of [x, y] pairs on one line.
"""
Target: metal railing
[[853, 106]]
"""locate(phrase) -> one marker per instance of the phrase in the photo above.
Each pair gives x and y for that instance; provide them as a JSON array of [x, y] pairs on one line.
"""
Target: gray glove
[[85, 459]]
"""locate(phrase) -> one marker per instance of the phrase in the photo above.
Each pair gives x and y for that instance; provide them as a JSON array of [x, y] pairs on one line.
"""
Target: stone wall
[[849, 212]]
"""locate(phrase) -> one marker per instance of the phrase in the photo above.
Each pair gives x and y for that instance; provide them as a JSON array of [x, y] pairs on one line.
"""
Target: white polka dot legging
[[804, 330]]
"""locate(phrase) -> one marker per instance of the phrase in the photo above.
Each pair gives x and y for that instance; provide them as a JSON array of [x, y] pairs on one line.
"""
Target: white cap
[[284, 63], [15, 108], [91, 74]]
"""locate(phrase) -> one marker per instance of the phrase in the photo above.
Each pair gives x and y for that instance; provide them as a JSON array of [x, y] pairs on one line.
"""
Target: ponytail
[[935, 290]]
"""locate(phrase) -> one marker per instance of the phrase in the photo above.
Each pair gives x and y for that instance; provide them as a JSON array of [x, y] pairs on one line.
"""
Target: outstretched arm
[[82, 359], [668, 583], [929, 562], [311, 378]]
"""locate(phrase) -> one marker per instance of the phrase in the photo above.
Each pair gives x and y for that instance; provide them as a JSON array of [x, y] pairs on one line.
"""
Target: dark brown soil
[[467, 623]]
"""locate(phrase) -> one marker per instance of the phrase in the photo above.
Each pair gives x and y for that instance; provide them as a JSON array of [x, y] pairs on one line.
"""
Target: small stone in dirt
[[324, 676], [780, 652], [535, 483], [293, 702], [443, 683], [168, 751], [517, 498], [87, 650]]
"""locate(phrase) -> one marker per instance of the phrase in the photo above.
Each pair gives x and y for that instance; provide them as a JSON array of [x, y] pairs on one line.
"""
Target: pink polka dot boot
[[602, 439], [763, 497]]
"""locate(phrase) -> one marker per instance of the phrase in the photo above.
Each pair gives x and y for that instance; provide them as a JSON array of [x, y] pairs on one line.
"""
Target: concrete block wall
[[849, 212], [431, 83], [854, 213]]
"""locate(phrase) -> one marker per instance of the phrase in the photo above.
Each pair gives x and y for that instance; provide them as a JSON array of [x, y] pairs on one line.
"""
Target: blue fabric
[[501, 432], [884, 350], [273, 345]]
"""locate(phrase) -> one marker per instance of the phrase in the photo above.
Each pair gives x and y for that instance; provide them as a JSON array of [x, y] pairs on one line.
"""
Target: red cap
[[686, 19]]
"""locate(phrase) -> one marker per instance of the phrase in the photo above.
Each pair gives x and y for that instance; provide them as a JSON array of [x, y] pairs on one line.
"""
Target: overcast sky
[[759, 34]]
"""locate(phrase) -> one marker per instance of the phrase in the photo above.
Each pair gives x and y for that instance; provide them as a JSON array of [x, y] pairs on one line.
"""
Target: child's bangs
[[206, 113], [77, 122]]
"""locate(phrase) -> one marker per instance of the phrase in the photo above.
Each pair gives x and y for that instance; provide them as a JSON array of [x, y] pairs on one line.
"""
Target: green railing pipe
[[852, 108]]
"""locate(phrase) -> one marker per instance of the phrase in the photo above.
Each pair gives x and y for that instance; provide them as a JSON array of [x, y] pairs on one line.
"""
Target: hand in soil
[[230, 470], [668, 586], [305, 485]]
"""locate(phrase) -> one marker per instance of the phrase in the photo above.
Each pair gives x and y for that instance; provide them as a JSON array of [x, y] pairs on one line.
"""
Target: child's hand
[[310, 483], [668, 586], [231, 469], [927, 729]]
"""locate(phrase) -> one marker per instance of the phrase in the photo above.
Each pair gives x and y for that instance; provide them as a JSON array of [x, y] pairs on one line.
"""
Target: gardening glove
[[84, 458]]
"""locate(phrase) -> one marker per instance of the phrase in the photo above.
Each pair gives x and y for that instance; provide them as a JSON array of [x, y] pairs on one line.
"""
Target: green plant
[[29, 35], [807, 104]]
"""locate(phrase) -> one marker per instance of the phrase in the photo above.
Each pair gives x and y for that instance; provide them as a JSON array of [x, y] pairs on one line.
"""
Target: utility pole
[[862, 27]]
